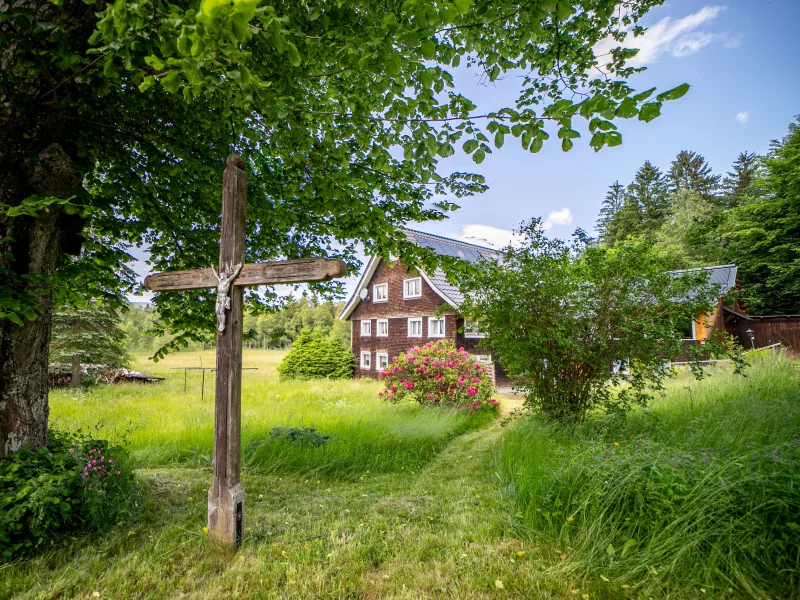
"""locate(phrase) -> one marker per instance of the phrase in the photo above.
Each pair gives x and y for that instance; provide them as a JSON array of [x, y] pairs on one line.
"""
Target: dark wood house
[[392, 310]]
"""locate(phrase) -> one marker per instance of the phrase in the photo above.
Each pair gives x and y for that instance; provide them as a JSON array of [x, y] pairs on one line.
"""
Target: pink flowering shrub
[[438, 374]]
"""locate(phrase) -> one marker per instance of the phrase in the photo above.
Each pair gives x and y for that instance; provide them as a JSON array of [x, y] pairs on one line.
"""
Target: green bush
[[315, 357], [74, 483]]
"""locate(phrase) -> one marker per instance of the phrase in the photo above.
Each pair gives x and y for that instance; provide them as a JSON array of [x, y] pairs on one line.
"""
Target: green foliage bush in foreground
[[563, 317], [317, 357], [439, 375], [703, 491], [74, 483]]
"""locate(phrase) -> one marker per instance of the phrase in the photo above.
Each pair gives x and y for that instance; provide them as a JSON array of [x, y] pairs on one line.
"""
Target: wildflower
[[616, 444], [472, 392], [394, 389]]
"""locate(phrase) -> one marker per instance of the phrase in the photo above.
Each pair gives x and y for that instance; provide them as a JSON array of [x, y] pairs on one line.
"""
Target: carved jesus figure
[[223, 299]]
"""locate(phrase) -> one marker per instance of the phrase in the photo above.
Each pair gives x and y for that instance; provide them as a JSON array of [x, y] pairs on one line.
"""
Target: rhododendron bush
[[438, 374]]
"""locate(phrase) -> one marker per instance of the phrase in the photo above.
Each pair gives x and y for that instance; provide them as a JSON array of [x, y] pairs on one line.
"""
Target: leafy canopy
[[587, 327], [342, 110]]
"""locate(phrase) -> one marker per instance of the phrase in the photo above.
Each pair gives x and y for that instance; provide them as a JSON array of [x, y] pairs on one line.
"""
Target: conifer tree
[[606, 222], [738, 182], [92, 332], [690, 171], [649, 191]]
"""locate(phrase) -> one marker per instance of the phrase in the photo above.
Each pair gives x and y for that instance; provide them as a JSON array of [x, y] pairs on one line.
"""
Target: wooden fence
[[783, 330]]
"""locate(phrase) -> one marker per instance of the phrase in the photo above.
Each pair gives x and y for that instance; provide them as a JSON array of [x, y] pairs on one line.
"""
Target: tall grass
[[166, 425], [699, 492]]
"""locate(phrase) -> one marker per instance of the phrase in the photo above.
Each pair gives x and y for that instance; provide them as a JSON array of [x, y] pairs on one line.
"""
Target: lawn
[[410, 503]]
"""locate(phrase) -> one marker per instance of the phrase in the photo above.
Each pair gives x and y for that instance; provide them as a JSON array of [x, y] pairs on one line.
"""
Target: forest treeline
[[694, 217], [273, 330]]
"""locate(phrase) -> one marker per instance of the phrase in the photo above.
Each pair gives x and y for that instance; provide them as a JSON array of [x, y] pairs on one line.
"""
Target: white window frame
[[366, 361], [375, 292], [406, 295], [483, 358], [378, 357], [694, 332], [378, 328], [431, 320], [415, 320], [368, 332], [472, 336]]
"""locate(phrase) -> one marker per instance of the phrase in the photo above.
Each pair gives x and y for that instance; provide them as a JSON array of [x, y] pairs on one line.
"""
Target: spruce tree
[[606, 222], [690, 171], [649, 191], [92, 332], [738, 182]]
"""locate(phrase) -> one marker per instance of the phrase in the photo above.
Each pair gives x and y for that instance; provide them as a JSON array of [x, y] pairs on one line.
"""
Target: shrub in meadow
[[314, 356], [439, 375], [73, 483]]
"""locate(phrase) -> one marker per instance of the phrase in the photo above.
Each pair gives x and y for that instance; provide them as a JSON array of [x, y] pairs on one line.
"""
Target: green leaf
[[642, 96], [479, 156], [428, 49], [14, 318], [463, 6], [598, 141], [154, 62], [499, 139], [563, 10], [566, 144], [171, 82], [537, 144], [613, 138], [649, 111], [470, 146], [674, 93], [293, 54], [626, 109], [214, 8]]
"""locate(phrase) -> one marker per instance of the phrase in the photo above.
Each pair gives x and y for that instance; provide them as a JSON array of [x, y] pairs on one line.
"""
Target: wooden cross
[[226, 496]]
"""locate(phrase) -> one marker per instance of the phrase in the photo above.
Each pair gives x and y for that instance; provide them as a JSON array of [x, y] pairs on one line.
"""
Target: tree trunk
[[36, 243], [23, 350]]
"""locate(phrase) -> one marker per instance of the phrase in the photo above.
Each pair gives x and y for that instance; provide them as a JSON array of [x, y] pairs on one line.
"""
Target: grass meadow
[[167, 426], [699, 494], [696, 497]]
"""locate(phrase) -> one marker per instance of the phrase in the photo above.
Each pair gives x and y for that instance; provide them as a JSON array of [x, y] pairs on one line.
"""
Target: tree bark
[[38, 156]]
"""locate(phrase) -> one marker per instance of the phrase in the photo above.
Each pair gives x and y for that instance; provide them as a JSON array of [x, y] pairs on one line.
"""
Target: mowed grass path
[[439, 530]]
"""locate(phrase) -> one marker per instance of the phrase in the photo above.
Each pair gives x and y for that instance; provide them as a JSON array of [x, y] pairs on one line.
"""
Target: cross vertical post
[[226, 496]]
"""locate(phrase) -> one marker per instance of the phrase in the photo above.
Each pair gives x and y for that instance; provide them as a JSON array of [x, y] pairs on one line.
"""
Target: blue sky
[[742, 61]]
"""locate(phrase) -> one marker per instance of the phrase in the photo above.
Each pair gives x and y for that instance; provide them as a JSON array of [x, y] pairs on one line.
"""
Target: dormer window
[[412, 288], [380, 292]]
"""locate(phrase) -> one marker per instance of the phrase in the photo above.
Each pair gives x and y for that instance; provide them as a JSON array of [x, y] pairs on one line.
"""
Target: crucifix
[[226, 496]]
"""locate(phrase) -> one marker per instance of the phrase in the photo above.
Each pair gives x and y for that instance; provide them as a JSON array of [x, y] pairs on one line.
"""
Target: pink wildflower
[[472, 392], [394, 389]]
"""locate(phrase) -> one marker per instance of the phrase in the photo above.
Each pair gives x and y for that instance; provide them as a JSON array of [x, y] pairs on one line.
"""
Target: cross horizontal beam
[[301, 270]]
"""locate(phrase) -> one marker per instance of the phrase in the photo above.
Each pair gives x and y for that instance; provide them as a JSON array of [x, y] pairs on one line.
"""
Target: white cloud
[[557, 217], [486, 235], [743, 117], [677, 37], [496, 237]]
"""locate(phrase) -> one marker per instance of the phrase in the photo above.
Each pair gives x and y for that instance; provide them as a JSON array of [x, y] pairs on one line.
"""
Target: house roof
[[721, 276], [438, 280]]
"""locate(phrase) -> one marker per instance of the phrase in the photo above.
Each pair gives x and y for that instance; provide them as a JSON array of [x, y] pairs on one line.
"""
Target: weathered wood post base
[[226, 516]]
